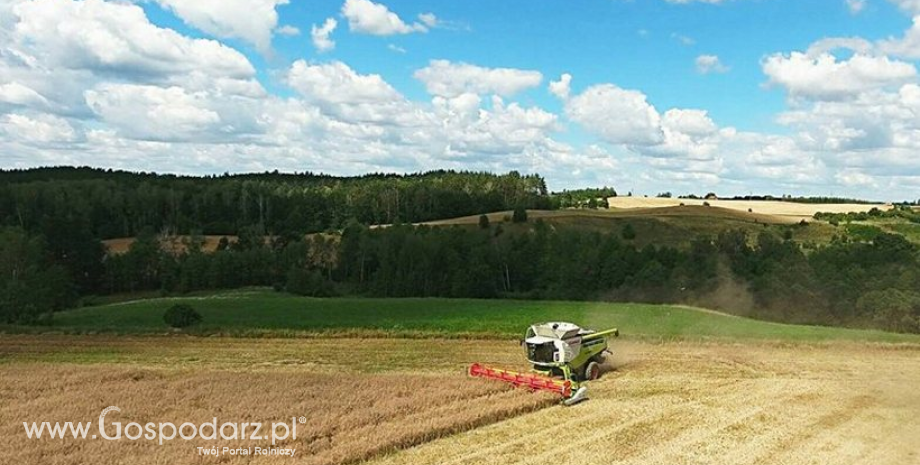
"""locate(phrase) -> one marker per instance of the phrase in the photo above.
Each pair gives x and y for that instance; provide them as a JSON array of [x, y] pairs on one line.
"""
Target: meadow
[[262, 312]]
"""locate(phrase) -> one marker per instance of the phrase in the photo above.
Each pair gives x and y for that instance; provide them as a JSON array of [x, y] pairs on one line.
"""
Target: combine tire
[[592, 371]]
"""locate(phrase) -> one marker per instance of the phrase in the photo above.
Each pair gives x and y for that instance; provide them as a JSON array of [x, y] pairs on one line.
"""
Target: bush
[[519, 216], [483, 222], [309, 283], [181, 316], [628, 233]]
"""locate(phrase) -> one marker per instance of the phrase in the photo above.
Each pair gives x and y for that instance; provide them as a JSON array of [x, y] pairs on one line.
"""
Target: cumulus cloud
[[59, 49], [707, 64], [824, 77], [152, 112], [320, 35], [367, 17], [618, 116], [449, 79], [907, 46], [250, 20], [41, 130], [680, 146], [117, 38], [336, 82], [561, 88], [94, 82]]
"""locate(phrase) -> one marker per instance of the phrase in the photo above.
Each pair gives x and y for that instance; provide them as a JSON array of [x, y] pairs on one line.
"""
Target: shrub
[[181, 316], [628, 233], [483, 222], [309, 283], [519, 216]]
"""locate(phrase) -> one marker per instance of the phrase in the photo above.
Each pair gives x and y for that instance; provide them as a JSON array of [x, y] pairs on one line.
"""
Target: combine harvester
[[563, 355]]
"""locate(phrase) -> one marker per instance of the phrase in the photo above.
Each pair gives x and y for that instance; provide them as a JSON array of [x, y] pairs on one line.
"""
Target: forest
[[51, 257], [110, 204]]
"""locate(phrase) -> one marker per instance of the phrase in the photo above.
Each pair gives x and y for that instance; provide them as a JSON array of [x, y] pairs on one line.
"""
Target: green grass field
[[254, 312]]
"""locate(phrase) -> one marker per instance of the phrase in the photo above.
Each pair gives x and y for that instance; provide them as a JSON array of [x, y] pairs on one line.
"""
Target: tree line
[[112, 204], [861, 284], [52, 220]]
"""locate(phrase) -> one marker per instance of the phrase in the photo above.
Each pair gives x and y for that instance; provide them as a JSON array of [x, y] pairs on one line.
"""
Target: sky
[[799, 97]]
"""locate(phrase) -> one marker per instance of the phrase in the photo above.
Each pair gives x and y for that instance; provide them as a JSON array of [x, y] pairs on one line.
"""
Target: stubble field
[[400, 401]]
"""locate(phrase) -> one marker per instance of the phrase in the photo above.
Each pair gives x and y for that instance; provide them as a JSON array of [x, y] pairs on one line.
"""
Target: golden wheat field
[[349, 417], [789, 210], [393, 401]]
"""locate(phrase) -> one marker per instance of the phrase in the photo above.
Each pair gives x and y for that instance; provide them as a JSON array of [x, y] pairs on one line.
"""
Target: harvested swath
[[740, 404], [350, 417]]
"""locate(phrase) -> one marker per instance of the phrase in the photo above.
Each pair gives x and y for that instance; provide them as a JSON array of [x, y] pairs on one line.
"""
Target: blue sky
[[737, 96]]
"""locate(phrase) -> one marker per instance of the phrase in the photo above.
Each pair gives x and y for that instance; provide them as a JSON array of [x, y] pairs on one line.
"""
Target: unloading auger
[[563, 355]]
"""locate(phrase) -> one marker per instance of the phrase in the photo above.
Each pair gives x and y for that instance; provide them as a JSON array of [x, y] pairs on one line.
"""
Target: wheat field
[[789, 210], [401, 401]]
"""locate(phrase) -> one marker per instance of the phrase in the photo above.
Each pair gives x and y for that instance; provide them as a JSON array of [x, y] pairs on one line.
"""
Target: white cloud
[[830, 44], [153, 113], [907, 46], [320, 35], [95, 82], [367, 17], [690, 122], [61, 48], [448, 79], [910, 6], [396, 48], [851, 177], [561, 88], [617, 115], [114, 37], [823, 77], [17, 94], [855, 6], [41, 130], [706, 64], [683, 40], [287, 30], [250, 20], [429, 19], [337, 83]]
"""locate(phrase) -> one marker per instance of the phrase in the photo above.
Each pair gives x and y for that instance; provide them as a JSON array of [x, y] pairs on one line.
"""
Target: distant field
[[673, 226], [791, 211], [694, 211], [176, 244], [263, 312]]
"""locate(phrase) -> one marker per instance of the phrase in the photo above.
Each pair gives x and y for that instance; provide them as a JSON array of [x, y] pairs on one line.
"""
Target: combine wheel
[[592, 371]]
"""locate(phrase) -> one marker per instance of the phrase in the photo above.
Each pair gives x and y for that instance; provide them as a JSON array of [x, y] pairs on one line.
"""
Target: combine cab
[[563, 355]]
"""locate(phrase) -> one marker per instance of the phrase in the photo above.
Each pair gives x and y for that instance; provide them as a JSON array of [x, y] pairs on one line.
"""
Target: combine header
[[563, 357]]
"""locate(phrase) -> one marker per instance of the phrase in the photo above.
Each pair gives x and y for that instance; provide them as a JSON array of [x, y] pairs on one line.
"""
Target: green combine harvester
[[563, 355]]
